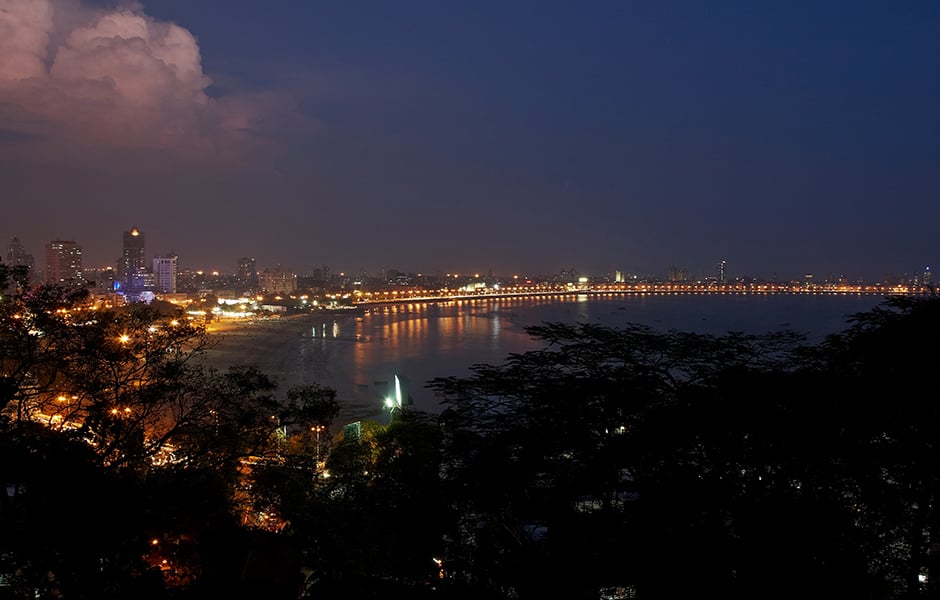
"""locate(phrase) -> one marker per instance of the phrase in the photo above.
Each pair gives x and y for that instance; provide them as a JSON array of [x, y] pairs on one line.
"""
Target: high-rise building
[[247, 272], [133, 262], [678, 274], [63, 263], [164, 274], [722, 272], [276, 281], [17, 256], [101, 280]]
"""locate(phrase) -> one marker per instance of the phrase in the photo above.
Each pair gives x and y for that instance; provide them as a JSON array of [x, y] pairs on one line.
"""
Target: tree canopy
[[609, 463], [679, 464]]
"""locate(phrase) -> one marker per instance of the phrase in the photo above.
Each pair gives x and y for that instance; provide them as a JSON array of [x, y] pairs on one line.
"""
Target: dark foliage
[[682, 465], [657, 464]]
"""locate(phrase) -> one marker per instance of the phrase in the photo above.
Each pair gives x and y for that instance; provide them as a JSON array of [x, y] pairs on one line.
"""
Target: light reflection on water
[[359, 353]]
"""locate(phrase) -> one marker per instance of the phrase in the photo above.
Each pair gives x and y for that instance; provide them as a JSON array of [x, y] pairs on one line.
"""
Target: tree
[[284, 485], [127, 387], [638, 458], [880, 372], [69, 528], [34, 329], [131, 382], [380, 519]]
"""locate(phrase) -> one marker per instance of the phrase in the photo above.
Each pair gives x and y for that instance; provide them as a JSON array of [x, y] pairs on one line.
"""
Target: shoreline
[[357, 354], [284, 349]]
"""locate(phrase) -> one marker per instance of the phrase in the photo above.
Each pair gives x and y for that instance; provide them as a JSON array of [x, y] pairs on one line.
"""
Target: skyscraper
[[63, 263], [722, 272], [164, 274], [247, 272], [133, 262], [17, 256]]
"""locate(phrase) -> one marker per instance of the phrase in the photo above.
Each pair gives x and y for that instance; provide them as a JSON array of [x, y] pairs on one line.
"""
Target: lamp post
[[317, 429]]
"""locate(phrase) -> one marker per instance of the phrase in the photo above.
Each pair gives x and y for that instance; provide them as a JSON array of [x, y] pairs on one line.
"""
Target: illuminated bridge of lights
[[423, 295]]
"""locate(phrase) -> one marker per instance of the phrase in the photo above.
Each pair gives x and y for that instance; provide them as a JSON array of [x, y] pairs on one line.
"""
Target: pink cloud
[[115, 78], [25, 27]]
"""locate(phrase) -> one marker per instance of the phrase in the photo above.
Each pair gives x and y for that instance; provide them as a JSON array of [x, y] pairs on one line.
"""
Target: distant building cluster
[[136, 278]]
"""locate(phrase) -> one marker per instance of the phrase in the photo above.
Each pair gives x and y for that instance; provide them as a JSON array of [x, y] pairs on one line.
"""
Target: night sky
[[518, 136]]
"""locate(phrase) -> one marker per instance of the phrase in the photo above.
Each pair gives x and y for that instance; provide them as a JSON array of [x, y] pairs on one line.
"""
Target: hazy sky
[[513, 135]]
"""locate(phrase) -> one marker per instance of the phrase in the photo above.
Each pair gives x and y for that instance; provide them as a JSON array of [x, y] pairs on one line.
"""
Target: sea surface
[[359, 353]]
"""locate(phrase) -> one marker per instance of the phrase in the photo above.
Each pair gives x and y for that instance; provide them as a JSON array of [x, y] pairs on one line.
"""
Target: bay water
[[360, 352]]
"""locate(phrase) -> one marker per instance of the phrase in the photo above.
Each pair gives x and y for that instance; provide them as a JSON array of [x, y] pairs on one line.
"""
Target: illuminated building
[[132, 266], [63, 263], [164, 274], [100, 279], [247, 272], [722, 272], [276, 281]]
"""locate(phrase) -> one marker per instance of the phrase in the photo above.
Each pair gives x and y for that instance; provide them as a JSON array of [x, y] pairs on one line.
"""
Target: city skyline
[[522, 138], [135, 260]]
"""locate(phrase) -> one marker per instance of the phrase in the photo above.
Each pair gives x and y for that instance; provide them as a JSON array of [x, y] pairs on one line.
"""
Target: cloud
[[7, 136], [117, 78], [25, 27]]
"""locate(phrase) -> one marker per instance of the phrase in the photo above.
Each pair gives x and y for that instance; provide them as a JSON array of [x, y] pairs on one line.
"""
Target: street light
[[317, 429], [390, 406]]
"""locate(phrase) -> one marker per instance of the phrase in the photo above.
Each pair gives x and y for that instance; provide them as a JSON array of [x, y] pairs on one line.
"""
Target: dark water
[[360, 354]]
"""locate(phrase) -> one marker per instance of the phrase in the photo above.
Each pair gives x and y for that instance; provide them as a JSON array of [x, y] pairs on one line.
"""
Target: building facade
[[17, 256], [132, 266], [63, 263], [164, 274], [276, 281], [247, 275]]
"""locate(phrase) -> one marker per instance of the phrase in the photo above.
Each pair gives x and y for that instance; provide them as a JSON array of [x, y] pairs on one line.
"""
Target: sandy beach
[[293, 350]]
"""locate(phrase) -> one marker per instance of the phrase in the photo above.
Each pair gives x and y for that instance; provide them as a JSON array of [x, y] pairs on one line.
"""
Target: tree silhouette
[[683, 464]]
